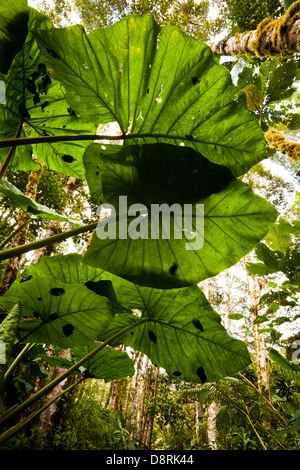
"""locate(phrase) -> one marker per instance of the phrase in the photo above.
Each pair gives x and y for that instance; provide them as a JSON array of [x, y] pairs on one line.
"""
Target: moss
[[276, 139], [272, 36]]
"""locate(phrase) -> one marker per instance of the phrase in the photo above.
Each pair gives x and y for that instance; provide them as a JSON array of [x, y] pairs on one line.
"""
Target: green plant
[[187, 138]]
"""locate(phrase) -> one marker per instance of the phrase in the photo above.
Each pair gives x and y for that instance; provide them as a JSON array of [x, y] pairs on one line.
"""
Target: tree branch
[[277, 140], [19, 250], [271, 38]]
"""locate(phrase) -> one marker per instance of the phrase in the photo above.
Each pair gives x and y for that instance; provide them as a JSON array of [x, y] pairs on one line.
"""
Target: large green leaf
[[233, 220], [68, 269], [52, 116], [32, 208], [32, 94], [171, 87], [13, 30], [179, 331], [57, 313], [279, 78], [23, 65], [108, 364]]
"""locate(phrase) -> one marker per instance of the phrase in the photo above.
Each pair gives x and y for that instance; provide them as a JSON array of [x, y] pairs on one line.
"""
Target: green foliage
[[246, 15], [190, 16], [269, 87], [14, 29], [157, 174], [89, 426], [188, 136], [56, 313], [32, 208], [179, 317], [164, 97]]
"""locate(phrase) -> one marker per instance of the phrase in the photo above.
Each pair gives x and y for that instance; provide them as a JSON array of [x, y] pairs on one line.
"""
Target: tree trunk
[[198, 419], [145, 395], [149, 418], [254, 292], [116, 393], [136, 393], [212, 410], [128, 393], [272, 37], [51, 416], [12, 267], [229, 279], [212, 432]]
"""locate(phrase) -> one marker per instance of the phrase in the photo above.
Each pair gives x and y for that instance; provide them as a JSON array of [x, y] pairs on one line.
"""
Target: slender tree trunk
[[212, 410], [272, 37], [50, 417], [198, 419], [12, 267], [144, 396], [254, 293], [229, 279], [212, 432], [149, 418], [116, 394], [113, 394], [136, 393], [128, 393]]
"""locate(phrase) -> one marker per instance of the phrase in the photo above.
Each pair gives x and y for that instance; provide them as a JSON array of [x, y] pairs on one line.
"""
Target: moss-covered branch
[[271, 38], [277, 140]]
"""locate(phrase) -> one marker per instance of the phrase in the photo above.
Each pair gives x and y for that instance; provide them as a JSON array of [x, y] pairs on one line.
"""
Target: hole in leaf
[[30, 85], [195, 80], [201, 374], [26, 279], [53, 53], [40, 298], [68, 329], [53, 316], [152, 337], [173, 269], [68, 158], [36, 99], [57, 291], [176, 373], [198, 324], [42, 69], [43, 106], [71, 111]]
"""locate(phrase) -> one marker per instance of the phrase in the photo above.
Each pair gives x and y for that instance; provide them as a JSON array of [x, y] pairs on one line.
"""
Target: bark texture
[[212, 433], [47, 421], [276, 139], [254, 294], [272, 37]]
